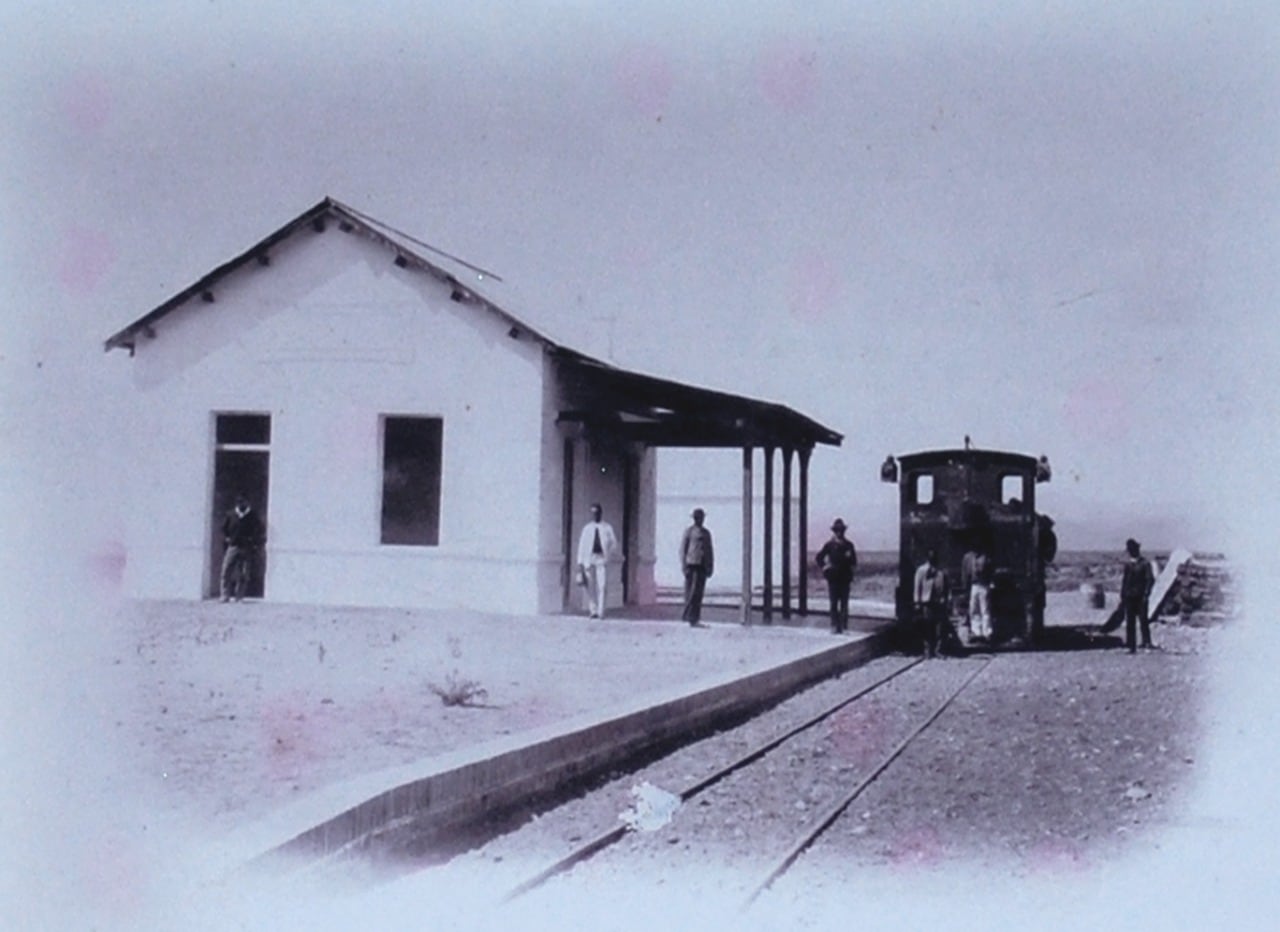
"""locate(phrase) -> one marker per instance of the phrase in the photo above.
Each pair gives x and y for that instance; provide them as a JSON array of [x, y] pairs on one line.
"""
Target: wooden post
[[786, 532], [804, 530], [746, 535], [768, 535]]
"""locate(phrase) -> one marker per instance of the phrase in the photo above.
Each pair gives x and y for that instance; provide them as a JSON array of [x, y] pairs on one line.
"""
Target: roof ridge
[[126, 337]]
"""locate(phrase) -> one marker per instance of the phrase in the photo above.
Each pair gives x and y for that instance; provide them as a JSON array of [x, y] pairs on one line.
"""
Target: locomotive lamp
[[889, 470]]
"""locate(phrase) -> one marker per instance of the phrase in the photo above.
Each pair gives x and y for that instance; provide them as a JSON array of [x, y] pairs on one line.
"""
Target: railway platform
[[356, 748]]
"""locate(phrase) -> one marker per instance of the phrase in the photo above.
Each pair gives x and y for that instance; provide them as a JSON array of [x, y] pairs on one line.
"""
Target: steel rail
[[614, 835], [834, 812]]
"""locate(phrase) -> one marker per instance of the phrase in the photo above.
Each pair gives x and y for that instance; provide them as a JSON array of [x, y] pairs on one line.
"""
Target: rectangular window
[[924, 489], [411, 454], [1011, 490], [244, 429]]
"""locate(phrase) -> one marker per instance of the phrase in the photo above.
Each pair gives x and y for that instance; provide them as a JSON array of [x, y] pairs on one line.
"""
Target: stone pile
[[1203, 593]]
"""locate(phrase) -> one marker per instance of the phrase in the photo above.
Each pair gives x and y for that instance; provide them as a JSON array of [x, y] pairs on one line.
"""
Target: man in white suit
[[597, 548]]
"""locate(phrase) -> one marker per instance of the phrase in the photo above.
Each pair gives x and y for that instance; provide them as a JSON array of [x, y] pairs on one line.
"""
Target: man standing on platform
[[837, 560], [597, 546], [1135, 589], [697, 559]]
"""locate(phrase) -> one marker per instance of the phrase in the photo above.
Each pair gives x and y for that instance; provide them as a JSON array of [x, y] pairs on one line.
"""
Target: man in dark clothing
[[837, 560], [697, 559], [1135, 588], [931, 595], [242, 535]]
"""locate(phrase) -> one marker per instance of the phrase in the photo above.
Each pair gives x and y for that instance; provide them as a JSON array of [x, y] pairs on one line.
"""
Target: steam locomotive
[[952, 501]]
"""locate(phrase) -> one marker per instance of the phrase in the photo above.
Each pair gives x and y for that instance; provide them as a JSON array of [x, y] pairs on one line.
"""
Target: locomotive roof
[[974, 457]]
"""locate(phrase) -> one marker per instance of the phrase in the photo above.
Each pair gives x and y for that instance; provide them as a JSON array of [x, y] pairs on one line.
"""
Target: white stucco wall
[[327, 339]]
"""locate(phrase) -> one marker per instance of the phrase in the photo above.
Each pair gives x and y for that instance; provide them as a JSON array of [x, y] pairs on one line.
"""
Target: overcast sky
[[1050, 227]]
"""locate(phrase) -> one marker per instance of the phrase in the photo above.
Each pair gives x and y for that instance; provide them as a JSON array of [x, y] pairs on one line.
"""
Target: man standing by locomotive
[[1135, 588], [975, 578], [932, 600], [837, 560], [697, 560]]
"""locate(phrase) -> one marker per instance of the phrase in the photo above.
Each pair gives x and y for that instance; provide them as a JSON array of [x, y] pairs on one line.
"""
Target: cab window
[[924, 489], [1011, 489]]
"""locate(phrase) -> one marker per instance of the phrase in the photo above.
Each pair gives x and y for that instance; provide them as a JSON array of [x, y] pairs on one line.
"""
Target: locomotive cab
[[955, 501]]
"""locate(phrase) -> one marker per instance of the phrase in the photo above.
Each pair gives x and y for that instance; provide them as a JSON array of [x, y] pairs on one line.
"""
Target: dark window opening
[[254, 429], [411, 480]]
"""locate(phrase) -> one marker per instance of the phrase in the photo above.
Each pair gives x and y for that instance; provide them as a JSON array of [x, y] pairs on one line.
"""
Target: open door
[[241, 466]]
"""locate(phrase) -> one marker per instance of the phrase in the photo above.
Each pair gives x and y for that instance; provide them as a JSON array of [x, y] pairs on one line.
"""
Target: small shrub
[[459, 691]]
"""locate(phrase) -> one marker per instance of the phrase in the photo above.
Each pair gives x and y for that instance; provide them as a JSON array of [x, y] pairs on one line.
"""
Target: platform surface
[[247, 719]]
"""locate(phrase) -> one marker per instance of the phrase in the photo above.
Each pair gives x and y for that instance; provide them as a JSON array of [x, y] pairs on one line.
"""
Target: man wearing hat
[[837, 560], [697, 559], [1135, 588]]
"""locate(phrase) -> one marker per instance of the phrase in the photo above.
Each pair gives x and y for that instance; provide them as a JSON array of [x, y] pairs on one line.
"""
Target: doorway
[[241, 466]]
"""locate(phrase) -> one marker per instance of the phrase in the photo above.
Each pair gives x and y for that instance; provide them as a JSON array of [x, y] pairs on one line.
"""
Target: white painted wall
[[328, 338]]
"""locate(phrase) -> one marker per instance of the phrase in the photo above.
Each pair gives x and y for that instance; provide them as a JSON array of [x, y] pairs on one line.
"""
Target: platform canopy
[[662, 413]]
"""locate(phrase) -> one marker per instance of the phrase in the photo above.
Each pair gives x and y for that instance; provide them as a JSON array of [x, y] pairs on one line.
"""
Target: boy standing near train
[[837, 560]]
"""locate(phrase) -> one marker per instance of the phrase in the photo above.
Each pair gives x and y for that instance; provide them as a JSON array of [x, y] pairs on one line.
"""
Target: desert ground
[[234, 710], [226, 714]]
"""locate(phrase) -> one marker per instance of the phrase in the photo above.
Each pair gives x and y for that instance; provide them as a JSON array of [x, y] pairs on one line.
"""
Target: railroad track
[[834, 812], [829, 816]]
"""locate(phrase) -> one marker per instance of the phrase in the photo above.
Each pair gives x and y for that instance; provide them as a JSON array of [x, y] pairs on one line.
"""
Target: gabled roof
[[642, 407], [409, 253]]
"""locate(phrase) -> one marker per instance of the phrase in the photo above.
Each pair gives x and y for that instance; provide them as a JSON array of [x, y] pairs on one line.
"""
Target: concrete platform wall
[[493, 778]]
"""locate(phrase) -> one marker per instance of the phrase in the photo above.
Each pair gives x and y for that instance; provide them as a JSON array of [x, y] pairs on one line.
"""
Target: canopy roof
[[663, 413]]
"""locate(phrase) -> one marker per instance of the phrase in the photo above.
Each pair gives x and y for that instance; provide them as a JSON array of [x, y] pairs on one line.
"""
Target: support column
[[746, 535], [768, 535], [804, 530], [786, 532]]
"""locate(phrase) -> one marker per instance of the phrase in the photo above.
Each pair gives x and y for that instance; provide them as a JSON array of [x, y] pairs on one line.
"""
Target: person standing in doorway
[[1135, 588], [242, 536], [697, 559], [597, 547], [931, 596], [837, 560]]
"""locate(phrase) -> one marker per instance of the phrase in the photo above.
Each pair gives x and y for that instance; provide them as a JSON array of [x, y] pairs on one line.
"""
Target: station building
[[407, 441]]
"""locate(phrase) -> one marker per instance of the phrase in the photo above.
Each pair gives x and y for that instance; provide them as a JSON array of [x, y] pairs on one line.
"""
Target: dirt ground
[[233, 711], [1048, 759], [241, 708]]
